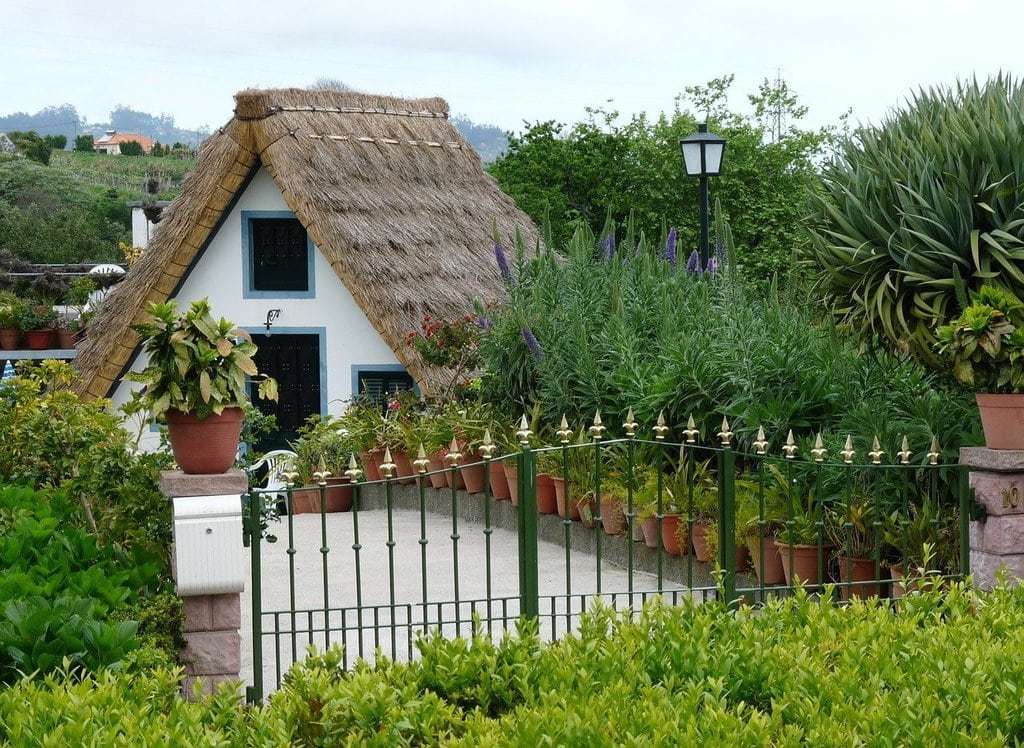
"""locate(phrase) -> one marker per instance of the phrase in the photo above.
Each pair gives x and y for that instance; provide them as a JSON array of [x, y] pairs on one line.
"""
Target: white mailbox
[[208, 551]]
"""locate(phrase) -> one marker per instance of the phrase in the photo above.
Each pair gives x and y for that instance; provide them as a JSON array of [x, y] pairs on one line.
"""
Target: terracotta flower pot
[[204, 447], [561, 505], [649, 527], [512, 478], [403, 467], [338, 494], [306, 500], [499, 485], [701, 551], [437, 466], [673, 535], [9, 338], [804, 563], [901, 582], [1002, 418], [39, 340], [547, 501], [585, 507], [66, 339], [474, 476], [371, 463], [742, 557], [612, 519], [857, 570], [773, 572]]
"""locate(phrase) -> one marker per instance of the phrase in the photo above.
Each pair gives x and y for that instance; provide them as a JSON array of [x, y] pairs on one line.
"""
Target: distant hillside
[[65, 120], [488, 140]]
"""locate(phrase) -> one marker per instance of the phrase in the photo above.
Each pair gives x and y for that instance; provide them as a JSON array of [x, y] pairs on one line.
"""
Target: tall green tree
[[613, 166]]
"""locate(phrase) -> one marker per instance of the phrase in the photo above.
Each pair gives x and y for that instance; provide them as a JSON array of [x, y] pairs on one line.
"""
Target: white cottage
[[327, 224]]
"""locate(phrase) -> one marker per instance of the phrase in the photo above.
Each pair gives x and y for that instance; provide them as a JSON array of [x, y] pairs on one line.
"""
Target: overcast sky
[[500, 62]]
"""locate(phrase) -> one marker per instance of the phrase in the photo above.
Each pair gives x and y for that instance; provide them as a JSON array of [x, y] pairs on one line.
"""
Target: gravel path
[[374, 564]]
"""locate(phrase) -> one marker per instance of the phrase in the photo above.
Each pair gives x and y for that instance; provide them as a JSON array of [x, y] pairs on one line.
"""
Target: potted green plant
[[847, 525], [361, 422], [11, 314], [757, 527], [712, 537], [67, 331], [38, 324], [800, 539], [572, 474], [986, 348], [916, 535], [548, 465], [321, 446], [694, 482], [196, 378], [428, 428], [613, 499]]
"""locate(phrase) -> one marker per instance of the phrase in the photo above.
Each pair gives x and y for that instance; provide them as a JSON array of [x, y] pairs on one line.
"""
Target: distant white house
[[111, 140]]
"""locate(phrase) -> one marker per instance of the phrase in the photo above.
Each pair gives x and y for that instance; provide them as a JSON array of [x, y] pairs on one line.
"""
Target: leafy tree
[[56, 142], [609, 167], [32, 145], [85, 143], [131, 148]]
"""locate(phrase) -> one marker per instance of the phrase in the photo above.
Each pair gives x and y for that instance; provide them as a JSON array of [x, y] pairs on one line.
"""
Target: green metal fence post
[[253, 534], [529, 601], [727, 522]]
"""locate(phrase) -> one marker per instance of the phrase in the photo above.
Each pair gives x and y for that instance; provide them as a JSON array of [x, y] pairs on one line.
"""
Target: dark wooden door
[[294, 361]]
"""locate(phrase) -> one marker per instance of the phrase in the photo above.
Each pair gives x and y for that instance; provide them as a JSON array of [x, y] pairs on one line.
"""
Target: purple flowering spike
[[609, 247], [503, 268], [670, 247], [712, 267], [693, 264], [484, 323], [532, 343]]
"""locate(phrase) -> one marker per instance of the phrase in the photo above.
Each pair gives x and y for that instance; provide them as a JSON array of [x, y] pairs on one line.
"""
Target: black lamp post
[[702, 157]]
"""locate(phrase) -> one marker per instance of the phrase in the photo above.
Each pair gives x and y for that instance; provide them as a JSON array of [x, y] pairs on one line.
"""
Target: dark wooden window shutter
[[280, 255]]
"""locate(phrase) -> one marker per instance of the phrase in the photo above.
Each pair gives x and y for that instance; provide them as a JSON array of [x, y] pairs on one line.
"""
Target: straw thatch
[[388, 190]]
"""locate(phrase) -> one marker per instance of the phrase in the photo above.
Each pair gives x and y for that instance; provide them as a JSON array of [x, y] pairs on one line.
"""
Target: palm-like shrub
[[921, 209]]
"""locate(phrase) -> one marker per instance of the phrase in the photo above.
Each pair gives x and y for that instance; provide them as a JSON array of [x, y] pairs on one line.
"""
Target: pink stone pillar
[[208, 566], [997, 540]]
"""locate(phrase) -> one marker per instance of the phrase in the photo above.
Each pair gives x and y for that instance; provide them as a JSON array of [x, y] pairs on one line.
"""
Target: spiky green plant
[[916, 212]]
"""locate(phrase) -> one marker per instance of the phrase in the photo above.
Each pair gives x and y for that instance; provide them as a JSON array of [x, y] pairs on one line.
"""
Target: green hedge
[[943, 670]]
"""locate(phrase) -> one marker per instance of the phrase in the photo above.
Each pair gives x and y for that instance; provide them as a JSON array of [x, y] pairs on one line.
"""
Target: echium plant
[[986, 343], [197, 364]]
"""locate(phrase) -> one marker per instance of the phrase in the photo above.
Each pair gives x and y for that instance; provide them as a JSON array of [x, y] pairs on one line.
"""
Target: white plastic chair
[[278, 462]]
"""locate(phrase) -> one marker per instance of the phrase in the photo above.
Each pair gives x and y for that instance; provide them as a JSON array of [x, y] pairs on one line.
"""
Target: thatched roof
[[388, 190]]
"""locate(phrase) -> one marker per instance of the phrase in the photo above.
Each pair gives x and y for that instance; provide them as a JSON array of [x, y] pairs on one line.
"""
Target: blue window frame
[[257, 282]]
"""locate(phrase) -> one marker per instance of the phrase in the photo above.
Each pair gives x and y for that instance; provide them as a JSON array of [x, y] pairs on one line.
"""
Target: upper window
[[380, 385], [279, 259]]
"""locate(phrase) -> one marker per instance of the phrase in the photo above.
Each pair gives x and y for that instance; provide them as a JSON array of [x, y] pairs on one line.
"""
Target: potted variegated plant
[[196, 378], [986, 348]]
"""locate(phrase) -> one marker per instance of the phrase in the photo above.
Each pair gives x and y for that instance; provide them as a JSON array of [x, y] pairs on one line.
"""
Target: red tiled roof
[[125, 137]]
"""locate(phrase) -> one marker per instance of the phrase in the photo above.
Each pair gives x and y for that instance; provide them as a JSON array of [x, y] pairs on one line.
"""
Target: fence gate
[[372, 563]]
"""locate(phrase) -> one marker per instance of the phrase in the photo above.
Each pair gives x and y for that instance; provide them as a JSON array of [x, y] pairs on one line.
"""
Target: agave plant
[[920, 210]]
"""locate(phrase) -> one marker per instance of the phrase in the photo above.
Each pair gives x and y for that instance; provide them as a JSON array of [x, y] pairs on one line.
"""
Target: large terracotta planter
[[649, 528], [499, 485], [701, 551], [403, 467], [306, 500], [1002, 418], [204, 447], [437, 465], [673, 535], [804, 563], [511, 471], [562, 506], [474, 476], [371, 460], [40, 340], [860, 570], [612, 519], [9, 338], [773, 572], [547, 501]]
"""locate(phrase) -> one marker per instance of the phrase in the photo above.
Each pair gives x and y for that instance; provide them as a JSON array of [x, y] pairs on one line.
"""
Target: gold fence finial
[[848, 452], [564, 432], [524, 433], [876, 452], [691, 432], [934, 453], [726, 433], [321, 474], [904, 453], [789, 448], [660, 428], [598, 428], [421, 462], [454, 455], [630, 424], [760, 443], [818, 451], [488, 447], [353, 473], [388, 467]]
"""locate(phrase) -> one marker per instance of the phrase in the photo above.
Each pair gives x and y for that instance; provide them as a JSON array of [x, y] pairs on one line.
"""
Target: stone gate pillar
[[997, 540], [209, 571]]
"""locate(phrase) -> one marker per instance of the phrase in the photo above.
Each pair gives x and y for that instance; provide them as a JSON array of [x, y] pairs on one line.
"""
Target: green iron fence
[[406, 558]]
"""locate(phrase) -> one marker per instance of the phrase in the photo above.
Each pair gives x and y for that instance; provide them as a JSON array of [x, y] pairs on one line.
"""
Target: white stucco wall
[[349, 340]]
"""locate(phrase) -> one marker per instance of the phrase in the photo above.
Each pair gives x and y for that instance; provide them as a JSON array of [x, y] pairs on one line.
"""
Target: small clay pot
[[649, 528], [857, 570], [338, 494], [511, 471], [9, 338], [40, 340], [561, 505], [1002, 419], [612, 519], [437, 468], [204, 447], [474, 476], [673, 535], [800, 562], [371, 460], [773, 572], [499, 485], [547, 501], [701, 550], [403, 467], [585, 507]]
